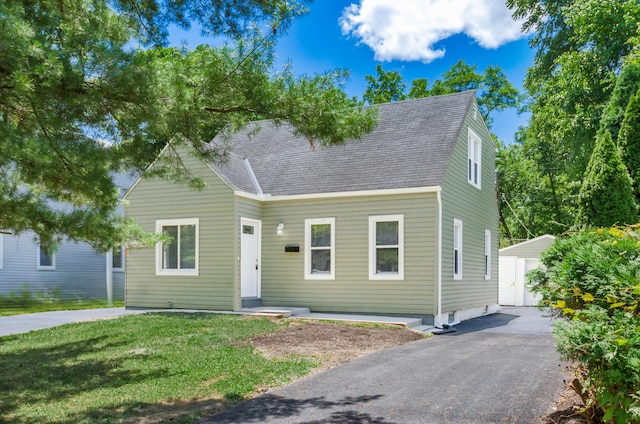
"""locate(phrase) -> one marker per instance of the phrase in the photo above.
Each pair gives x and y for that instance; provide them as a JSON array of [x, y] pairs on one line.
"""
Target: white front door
[[249, 258]]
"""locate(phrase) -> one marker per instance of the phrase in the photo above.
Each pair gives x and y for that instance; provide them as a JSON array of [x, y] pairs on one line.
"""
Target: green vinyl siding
[[283, 282], [153, 199], [478, 210]]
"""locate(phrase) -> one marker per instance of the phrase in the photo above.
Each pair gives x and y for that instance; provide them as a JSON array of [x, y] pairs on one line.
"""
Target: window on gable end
[[474, 156], [179, 256]]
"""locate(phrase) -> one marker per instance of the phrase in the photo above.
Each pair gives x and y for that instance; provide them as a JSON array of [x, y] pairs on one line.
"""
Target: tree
[[387, 86], [606, 197], [629, 142], [581, 51], [419, 88], [627, 84], [494, 91], [87, 89]]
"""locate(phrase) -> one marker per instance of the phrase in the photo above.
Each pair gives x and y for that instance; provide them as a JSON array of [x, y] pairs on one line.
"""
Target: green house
[[402, 222]]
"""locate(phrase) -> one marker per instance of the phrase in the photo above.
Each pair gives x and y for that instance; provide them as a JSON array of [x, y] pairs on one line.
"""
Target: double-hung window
[[319, 236], [457, 249], [46, 258], [178, 255], [474, 162], [386, 247], [487, 255]]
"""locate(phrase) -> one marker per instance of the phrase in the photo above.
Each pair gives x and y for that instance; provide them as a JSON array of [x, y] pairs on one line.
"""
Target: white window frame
[[474, 159], [160, 223], [487, 254], [457, 249], [122, 259], [373, 274], [308, 272], [41, 267]]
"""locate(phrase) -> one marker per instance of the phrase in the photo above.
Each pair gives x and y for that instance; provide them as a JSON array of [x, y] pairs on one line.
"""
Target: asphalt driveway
[[501, 368]]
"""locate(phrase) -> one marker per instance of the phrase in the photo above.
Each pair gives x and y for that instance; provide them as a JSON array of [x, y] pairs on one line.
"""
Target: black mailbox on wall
[[292, 248]]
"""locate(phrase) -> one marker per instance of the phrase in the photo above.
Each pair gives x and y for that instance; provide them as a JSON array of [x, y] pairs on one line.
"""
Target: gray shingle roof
[[409, 148]]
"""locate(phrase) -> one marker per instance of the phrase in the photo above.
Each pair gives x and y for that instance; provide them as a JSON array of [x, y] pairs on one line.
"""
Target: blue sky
[[417, 38]]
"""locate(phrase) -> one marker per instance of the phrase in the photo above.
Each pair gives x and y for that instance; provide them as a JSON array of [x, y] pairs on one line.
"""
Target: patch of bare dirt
[[330, 344]]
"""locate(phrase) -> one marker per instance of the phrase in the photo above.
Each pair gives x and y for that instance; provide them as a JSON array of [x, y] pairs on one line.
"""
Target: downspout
[[436, 317]]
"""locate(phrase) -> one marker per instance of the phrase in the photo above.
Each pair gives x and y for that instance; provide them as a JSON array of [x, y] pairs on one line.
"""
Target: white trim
[[1, 250], [177, 222], [526, 242], [457, 245], [474, 159], [258, 224], [252, 175], [310, 196], [373, 274], [124, 196], [40, 267], [309, 274], [487, 254]]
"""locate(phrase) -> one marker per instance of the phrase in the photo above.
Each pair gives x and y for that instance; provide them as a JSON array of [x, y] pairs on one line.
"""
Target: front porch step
[[272, 313]]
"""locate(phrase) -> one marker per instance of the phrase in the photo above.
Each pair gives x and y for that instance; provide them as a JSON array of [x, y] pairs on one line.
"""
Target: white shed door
[[249, 258]]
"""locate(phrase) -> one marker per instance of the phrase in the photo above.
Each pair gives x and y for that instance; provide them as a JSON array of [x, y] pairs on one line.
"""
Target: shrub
[[592, 279]]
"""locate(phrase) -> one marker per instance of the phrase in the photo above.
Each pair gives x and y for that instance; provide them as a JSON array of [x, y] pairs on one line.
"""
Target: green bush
[[592, 279]]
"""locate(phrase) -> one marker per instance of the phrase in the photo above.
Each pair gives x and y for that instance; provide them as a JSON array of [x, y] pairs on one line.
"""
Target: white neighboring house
[[514, 263], [76, 269]]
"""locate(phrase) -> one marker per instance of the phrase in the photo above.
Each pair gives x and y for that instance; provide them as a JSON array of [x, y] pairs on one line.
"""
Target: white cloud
[[411, 29]]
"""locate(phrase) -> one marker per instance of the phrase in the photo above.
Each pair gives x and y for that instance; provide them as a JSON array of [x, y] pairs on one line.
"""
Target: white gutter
[[269, 198]]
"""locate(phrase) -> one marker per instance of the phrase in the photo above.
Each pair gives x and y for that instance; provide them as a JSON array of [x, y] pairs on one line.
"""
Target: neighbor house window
[[474, 159], [180, 254], [457, 249], [117, 258], [487, 255], [319, 240], [386, 247], [46, 258]]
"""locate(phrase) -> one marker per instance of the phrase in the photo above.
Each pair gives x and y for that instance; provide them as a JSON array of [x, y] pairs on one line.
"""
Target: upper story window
[[386, 247], [319, 238], [487, 255], [457, 249], [46, 258], [180, 255], [474, 162]]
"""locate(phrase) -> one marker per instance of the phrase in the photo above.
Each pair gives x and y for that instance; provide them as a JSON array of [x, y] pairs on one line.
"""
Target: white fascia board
[[362, 193]]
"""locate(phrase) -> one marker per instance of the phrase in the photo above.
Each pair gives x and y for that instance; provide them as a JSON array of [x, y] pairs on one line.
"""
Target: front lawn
[[161, 364]]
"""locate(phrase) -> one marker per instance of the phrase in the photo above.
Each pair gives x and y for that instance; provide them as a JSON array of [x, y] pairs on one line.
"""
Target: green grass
[[27, 302], [127, 368], [58, 305]]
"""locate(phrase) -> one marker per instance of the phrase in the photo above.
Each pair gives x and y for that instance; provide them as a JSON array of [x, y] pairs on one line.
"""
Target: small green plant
[[592, 280]]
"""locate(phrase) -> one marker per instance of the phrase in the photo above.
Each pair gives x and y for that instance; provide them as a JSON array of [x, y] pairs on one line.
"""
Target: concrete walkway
[[501, 368]]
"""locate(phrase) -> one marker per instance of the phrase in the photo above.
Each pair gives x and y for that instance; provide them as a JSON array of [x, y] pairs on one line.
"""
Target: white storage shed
[[515, 261]]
